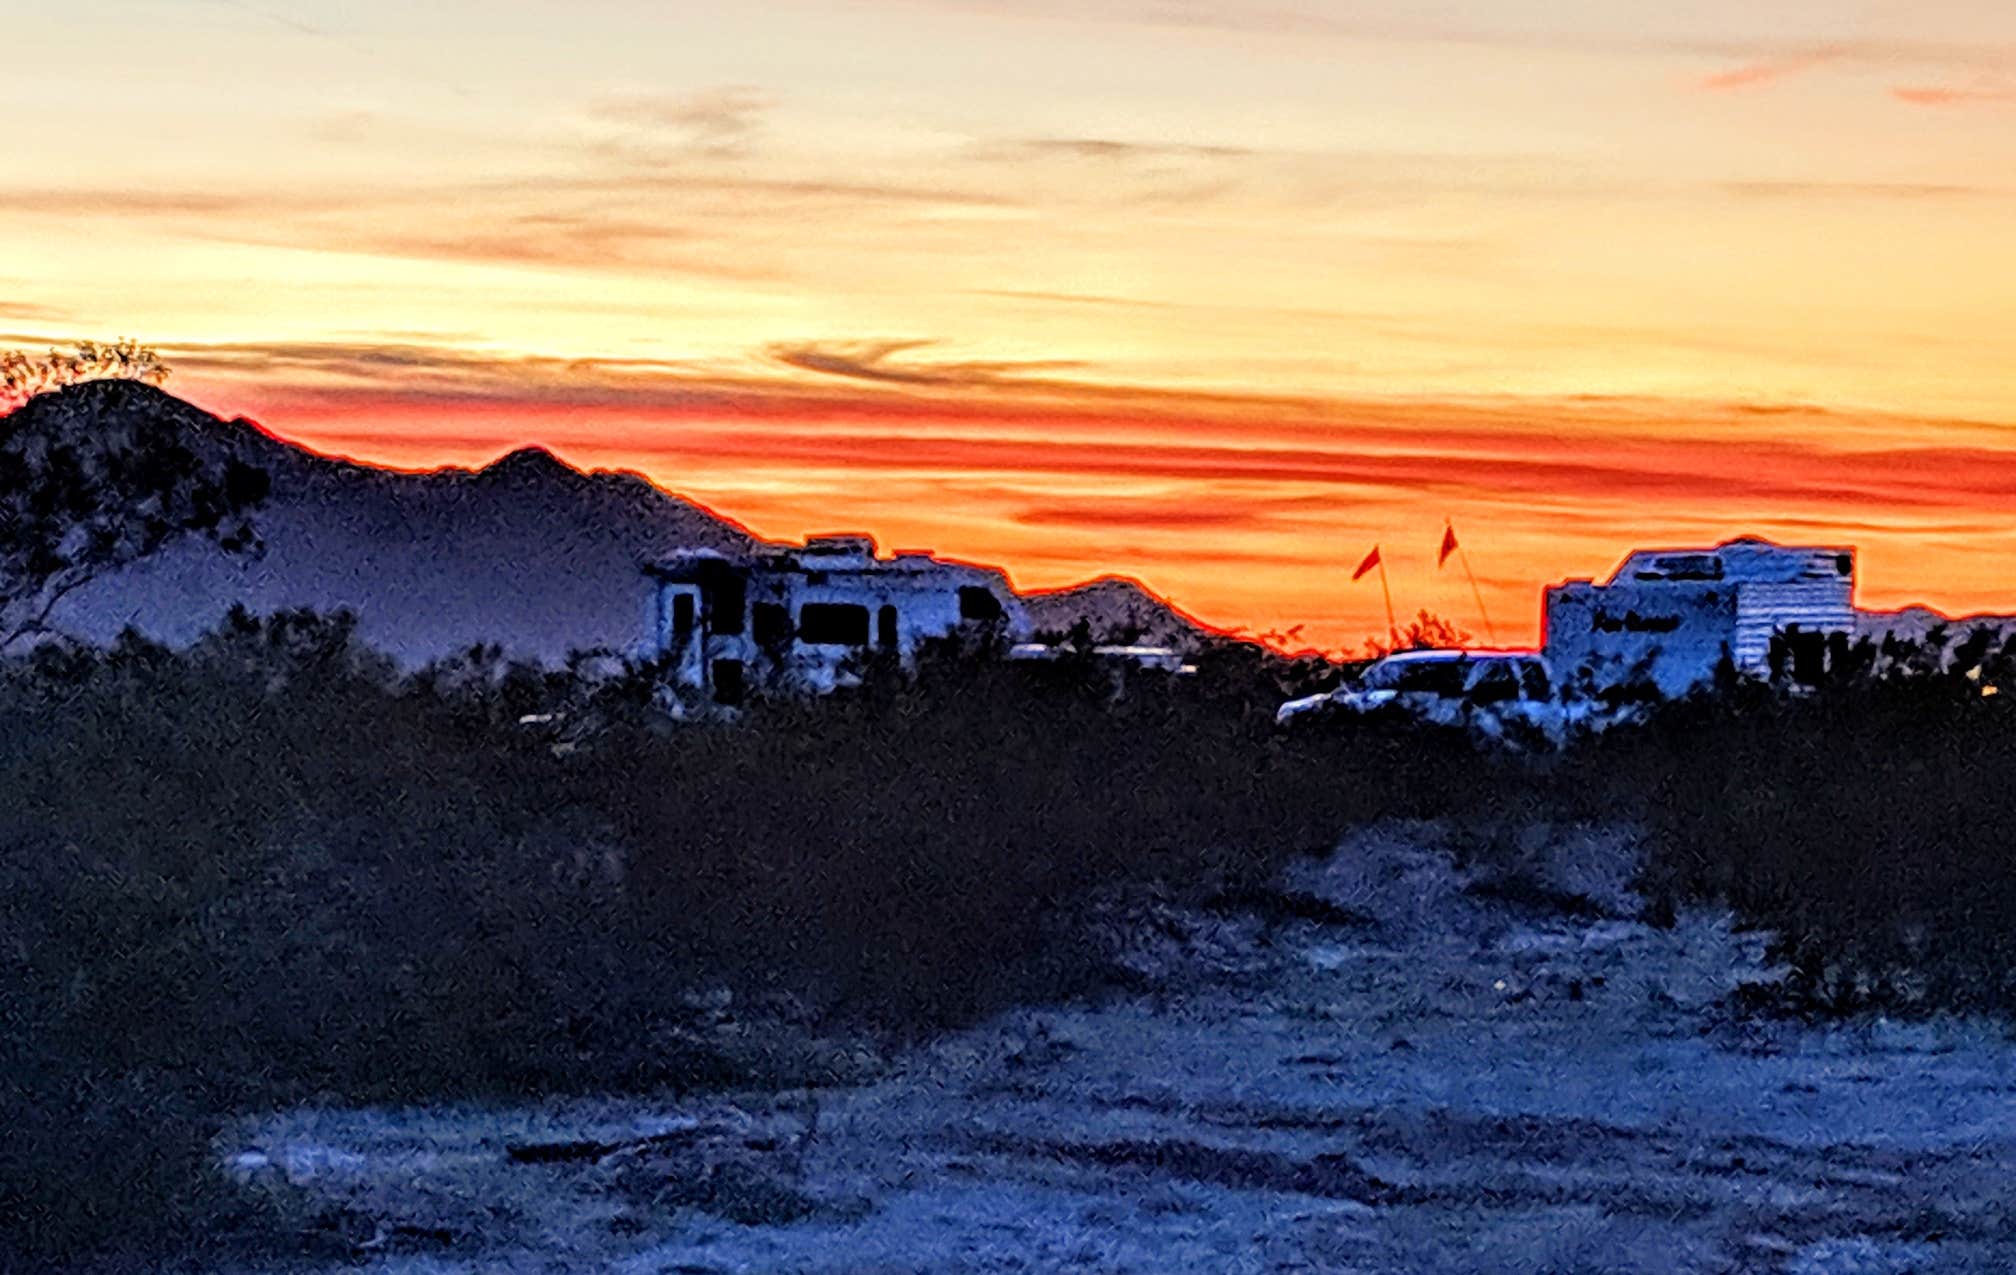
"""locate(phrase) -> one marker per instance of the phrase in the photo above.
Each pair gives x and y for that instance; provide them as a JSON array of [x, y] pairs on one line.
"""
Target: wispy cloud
[[117, 202], [882, 361], [1765, 71], [1933, 191], [1407, 24], [898, 384], [1977, 95], [796, 189], [481, 198], [724, 122], [1104, 148], [738, 227], [29, 312], [1135, 173], [570, 241], [367, 52], [275, 17], [1017, 417], [1078, 299]]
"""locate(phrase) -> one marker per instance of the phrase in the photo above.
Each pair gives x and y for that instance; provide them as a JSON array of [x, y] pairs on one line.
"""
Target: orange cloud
[[1241, 507], [1766, 71], [1952, 96], [1144, 515], [863, 407]]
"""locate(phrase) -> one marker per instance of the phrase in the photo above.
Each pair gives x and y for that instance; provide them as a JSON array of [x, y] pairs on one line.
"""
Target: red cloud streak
[[1243, 510]]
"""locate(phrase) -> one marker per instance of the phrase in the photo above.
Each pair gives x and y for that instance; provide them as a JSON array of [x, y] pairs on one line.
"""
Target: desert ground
[[1391, 1064]]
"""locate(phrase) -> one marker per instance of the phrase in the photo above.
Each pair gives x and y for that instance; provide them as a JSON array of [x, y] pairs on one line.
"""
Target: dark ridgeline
[[1116, 608], [528, 552]]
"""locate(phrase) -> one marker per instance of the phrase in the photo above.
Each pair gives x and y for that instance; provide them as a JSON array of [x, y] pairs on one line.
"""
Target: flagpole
[[1392, 625], [1477, 593]]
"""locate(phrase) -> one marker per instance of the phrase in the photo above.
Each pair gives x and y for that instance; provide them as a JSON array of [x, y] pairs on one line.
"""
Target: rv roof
[[840, 542], [1747, 559]]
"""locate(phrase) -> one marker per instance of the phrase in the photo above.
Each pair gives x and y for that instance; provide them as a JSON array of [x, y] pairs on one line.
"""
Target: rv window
[[886, 635], [682, 615], [833, 624], [976, 603], [771, 624], [728, 684], [726, 602], [1809, 656]]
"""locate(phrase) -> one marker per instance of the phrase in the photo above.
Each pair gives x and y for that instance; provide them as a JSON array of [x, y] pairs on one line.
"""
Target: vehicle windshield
[[1502, 680], [1489, 679], [1495, 682], [1423, 677]]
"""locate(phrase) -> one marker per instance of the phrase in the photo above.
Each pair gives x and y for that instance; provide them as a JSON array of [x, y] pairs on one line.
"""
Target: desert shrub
[[1871, 826], [97, 1146], [267, 869], [258, 871]]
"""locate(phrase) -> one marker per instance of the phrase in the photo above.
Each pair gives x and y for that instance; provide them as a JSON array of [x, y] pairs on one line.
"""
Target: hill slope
[[1117, 608], [528, 552]]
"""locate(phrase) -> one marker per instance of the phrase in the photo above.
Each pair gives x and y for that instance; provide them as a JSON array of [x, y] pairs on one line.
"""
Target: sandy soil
[[1436, 1078]]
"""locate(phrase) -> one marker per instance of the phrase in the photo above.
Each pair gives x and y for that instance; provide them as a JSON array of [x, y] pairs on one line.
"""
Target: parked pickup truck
[[1491, 692]]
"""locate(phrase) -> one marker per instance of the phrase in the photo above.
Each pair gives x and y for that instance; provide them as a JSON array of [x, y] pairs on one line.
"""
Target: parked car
[[1491, 692]]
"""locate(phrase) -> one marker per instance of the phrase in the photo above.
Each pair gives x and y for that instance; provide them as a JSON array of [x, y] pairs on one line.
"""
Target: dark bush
[[266, 869], [1871, 826]]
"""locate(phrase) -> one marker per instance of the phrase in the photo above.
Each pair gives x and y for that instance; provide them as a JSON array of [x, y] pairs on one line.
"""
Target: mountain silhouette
[[527, 552], [1117, 608]]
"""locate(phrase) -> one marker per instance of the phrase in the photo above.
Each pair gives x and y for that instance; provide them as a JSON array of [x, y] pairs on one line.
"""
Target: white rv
[[803, 620], [1670, 616]]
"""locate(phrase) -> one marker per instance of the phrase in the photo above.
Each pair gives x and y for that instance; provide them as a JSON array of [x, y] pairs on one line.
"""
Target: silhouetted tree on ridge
[[93, 477]]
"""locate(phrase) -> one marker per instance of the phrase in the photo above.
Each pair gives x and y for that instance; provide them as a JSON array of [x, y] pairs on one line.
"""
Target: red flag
[[1448, 544], [1371, 561]]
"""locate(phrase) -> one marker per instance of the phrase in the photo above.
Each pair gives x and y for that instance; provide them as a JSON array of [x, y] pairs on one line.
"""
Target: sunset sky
[[1217, 293]]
